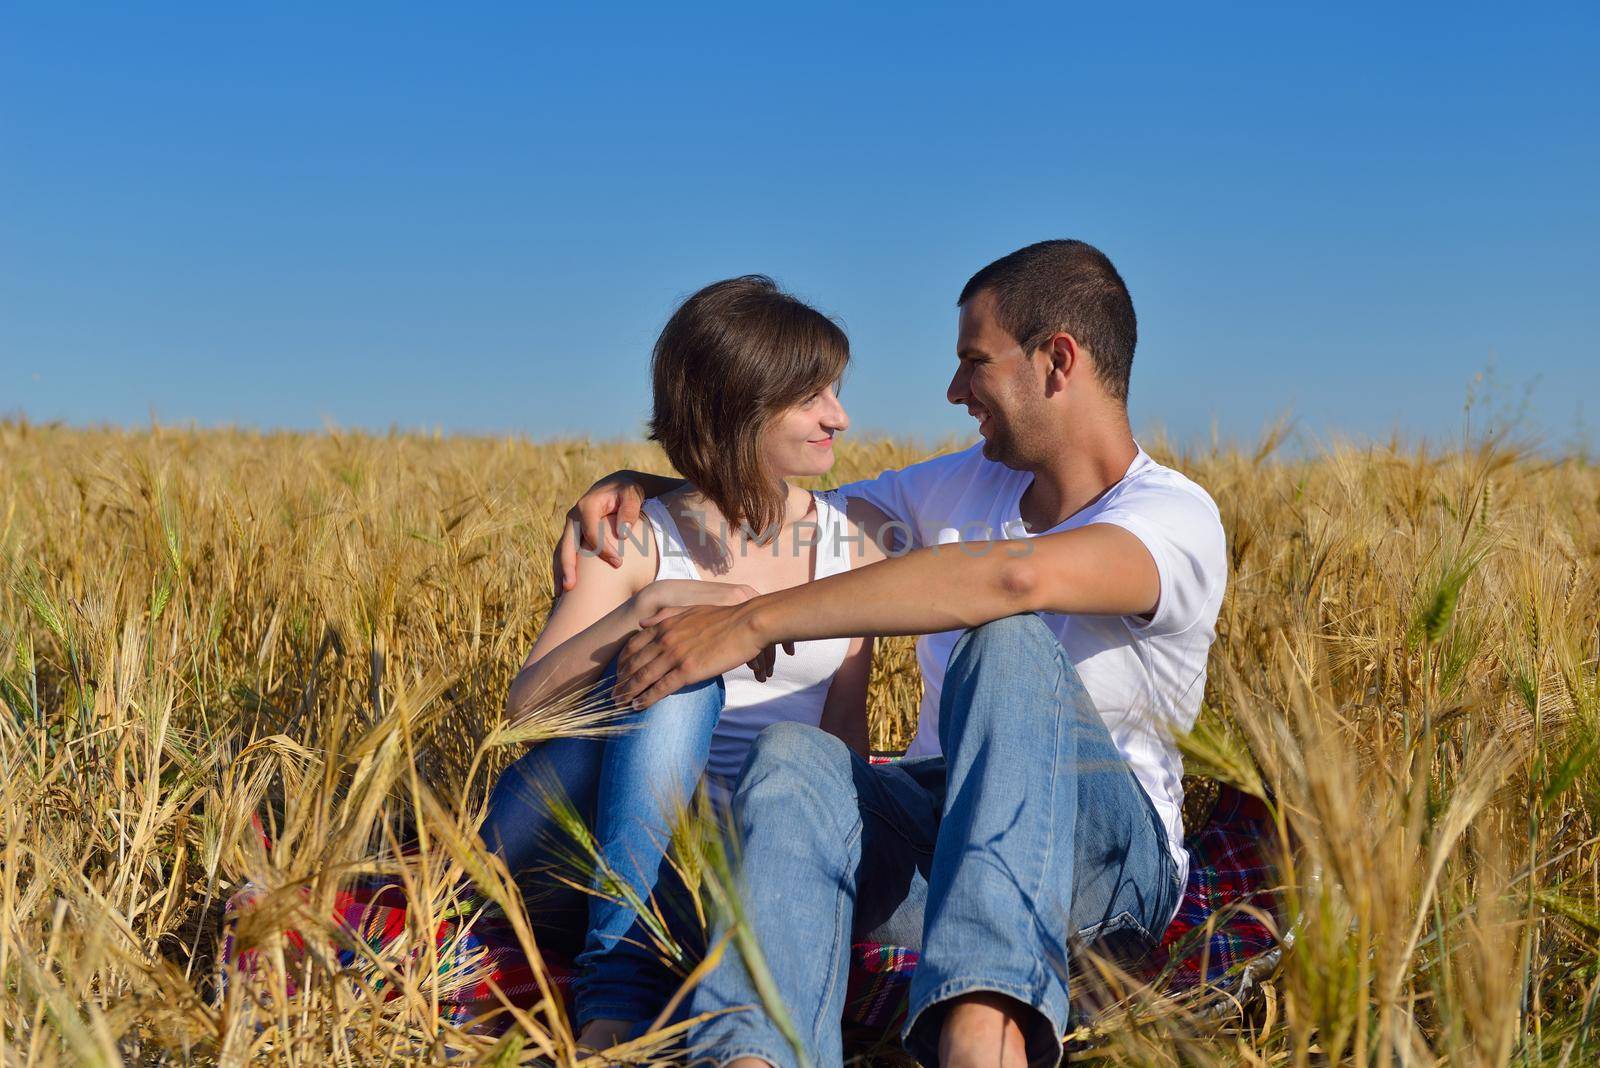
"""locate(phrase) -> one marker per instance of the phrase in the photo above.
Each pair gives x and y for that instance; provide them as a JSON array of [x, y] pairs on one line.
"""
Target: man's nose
[[956, 391]]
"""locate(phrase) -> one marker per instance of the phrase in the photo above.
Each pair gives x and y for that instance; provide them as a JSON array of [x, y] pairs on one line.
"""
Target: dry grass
[[318, 630]]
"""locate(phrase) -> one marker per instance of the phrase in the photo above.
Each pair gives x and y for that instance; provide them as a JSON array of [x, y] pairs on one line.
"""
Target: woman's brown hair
[[731, 357]]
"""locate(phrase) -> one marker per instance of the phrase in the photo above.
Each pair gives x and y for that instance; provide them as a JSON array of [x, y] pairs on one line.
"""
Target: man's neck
[[1089, 462]]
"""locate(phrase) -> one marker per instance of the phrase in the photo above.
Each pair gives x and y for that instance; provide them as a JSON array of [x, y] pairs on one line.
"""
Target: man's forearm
[[949, 588], [1094, 570], [1098, 569], [656, 485]]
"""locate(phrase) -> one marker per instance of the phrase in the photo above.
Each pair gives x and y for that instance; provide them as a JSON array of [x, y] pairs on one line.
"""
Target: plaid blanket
[[1228, 917]]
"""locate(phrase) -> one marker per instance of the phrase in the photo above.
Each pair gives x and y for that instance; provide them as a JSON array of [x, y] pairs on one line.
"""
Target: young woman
[[745, 398]]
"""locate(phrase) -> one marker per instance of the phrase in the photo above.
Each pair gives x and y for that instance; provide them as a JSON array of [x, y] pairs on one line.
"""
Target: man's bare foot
[[603, 1034], [983, 1030]]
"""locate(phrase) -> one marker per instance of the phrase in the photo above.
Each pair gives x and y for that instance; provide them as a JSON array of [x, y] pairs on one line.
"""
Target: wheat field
[[201, 631]]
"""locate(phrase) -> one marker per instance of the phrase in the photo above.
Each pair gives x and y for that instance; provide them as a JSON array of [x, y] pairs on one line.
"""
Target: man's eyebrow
[[970, 353]]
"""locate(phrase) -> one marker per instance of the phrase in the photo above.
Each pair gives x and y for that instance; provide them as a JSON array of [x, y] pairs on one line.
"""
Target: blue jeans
[[628, 788], [1026, 840]]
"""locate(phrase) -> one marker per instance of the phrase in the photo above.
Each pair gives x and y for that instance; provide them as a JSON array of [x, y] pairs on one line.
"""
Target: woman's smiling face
[[798, 441]]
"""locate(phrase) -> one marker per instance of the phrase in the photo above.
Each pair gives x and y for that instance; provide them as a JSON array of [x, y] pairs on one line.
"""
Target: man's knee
[[1018, 664], [1024, 636], [1012, 648], [794, 766]]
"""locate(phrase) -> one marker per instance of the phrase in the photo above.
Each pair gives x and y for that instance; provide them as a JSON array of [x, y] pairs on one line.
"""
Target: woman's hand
[[663, 594]]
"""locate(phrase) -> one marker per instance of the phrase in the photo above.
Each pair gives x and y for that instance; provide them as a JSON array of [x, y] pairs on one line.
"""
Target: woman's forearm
[[576, 664]]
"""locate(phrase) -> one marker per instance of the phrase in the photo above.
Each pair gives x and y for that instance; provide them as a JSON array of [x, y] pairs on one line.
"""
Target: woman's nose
[[838, 419]]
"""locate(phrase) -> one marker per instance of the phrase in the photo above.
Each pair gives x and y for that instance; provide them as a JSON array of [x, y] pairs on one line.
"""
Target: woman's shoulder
[[636, 560], [684, 522], [654, 529], [860, 525], [683, 511]]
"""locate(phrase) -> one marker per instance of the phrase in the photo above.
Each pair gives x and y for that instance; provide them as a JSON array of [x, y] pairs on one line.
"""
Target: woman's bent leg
[[520, 828], [648, 774]]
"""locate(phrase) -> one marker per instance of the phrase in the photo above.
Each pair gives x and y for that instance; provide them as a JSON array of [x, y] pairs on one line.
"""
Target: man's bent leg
[[1045, 833], [807, 810]]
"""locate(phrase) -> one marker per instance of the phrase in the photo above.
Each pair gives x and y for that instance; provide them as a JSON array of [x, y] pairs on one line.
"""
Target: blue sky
[[477, 217]]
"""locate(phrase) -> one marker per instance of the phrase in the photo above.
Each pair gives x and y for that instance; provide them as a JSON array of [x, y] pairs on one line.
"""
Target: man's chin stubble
[[995, 451]]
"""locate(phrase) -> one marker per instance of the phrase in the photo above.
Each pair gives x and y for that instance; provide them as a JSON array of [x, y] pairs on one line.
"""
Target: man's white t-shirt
[[1146, 678]]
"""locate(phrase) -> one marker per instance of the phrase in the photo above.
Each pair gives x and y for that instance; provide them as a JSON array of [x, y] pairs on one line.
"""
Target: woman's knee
[[796, 795], [675, 731], [699, 704]]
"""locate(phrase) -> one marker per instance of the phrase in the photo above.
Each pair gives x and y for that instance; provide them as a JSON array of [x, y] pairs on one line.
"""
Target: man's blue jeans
[[1028, 838], [628, 788]]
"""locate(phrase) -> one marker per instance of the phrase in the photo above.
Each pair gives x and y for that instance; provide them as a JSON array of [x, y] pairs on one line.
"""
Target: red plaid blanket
[[1226, 919]]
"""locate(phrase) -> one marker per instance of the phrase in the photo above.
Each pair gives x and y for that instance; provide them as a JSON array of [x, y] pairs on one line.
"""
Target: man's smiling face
[[998, 385]]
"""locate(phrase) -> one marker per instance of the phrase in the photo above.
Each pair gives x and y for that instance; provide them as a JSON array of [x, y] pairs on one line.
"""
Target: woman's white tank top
[[799, 683]]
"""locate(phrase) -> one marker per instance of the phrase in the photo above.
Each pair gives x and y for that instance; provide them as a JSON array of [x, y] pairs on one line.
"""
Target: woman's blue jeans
[[629, 788]]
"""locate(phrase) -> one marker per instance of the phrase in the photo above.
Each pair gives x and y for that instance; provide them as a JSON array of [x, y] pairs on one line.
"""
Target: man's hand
[[690, 646], [599, 522], [602, 518]]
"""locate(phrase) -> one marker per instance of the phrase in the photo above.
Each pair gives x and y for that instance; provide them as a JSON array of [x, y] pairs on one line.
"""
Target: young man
[[1068, 589]]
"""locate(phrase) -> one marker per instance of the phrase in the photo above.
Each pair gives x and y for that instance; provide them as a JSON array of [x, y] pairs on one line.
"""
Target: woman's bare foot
[[603, 1034]]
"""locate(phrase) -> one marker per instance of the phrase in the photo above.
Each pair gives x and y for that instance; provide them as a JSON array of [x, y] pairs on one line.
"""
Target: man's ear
[[1066, 358]]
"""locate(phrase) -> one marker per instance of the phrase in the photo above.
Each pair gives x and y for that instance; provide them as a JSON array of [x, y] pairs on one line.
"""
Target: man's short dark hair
[[1064, 285]]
